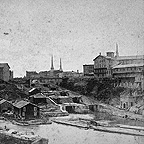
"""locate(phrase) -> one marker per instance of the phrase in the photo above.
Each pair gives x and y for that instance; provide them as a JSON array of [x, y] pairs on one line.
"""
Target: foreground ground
[[61, 134]]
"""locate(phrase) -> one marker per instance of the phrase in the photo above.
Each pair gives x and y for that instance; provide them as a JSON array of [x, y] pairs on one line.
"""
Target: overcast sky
[[74, 30]]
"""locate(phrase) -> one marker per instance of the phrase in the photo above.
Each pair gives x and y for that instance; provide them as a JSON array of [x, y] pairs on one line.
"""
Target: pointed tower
[[117, 53], [60, 65], [52, 66]]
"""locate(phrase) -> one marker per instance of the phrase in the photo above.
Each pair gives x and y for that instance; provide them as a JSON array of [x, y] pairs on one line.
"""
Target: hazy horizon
[[74, 30]]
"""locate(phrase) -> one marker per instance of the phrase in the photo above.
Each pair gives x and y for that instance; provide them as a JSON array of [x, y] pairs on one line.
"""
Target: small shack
[[75, 108], [5, 106], [26, 110], [38, 98]]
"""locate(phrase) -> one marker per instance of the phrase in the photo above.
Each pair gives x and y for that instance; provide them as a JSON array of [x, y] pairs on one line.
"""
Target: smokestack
[[60, 65], [52, 67]]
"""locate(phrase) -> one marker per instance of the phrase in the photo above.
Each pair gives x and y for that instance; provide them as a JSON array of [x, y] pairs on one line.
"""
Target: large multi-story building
[[128, 69], [103, 65], [5, 73]]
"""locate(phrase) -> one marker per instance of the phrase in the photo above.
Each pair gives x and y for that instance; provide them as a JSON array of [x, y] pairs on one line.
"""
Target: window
[[24, 109], [35, 109], [23, 114], [35, 113]]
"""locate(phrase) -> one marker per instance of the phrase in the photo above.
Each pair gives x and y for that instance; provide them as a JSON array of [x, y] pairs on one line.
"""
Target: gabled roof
[[22, 103], [107, 57], [98, 57]]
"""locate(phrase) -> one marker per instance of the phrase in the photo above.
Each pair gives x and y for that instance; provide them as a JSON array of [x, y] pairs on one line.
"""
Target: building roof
[[130, 57], [32, 89], [107, 57], [4, 64], [129, 65], [21, 104], [31, 72], [88, 65], [73, 104], [2, 101], [38, 95]]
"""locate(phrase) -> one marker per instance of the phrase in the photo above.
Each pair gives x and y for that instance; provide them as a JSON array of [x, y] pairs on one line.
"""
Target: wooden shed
[[26, 110]]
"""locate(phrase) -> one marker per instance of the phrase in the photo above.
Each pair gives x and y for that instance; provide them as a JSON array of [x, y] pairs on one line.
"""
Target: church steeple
[[60, 65], [52, 66], [117, 53]]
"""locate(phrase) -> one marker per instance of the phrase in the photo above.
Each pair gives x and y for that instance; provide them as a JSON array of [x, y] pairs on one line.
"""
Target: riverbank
[[102, 126], [63, 134]]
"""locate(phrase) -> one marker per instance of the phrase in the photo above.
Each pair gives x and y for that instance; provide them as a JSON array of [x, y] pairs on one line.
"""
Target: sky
[[31, 31]]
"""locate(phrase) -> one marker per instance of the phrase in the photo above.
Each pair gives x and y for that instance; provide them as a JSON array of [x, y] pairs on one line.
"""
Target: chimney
[[60, 65], [117, 52], [52, 67]]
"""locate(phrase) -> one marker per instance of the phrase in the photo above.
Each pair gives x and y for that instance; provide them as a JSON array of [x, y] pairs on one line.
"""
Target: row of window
[[130, 61], [102, 65], [128, 69], [24, 109]]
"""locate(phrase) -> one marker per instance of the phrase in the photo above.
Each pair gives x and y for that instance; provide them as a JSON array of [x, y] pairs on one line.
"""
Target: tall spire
[[117, 53], [52, 66], [60, 65]]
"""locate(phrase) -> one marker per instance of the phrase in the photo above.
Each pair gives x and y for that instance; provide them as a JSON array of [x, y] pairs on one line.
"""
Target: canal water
[[61, 134], [117, 120]]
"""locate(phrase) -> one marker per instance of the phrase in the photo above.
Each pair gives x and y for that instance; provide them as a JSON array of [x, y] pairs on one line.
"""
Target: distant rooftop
[[129, 65], [3, 64], [107, 57], [130, 57], [88, 64]]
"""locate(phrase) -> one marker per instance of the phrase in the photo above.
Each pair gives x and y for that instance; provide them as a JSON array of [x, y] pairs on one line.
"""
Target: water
[[61, 134], [117, 120]]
